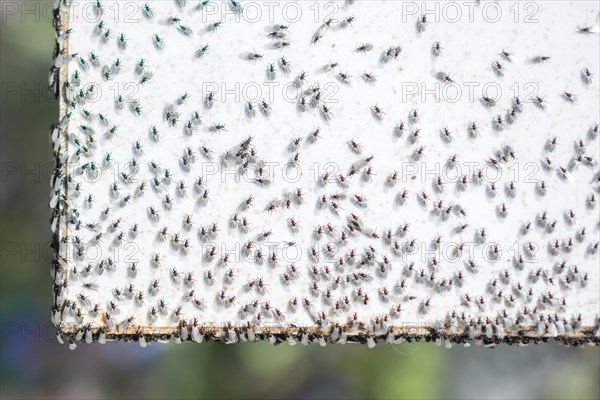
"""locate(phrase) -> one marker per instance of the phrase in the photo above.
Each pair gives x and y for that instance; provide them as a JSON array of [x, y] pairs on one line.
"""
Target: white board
[[532, 275]]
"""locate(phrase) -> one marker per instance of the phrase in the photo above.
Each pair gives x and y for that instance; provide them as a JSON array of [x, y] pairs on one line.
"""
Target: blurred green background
[[34, 365]]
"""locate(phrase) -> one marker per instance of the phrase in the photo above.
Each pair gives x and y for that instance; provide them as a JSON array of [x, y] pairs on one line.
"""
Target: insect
[[446, 135], [271, 72], [377, 112], [367, 174], [390, 54], [314, 136], [414, 116], [250, 109], [202, 51], [502, 210], [364, 48], [213, 27], [326, 112], [369, 77], [355, 146], [117, 66], [331, 66], [316, 98], [547, 163], [569, 96], [498, 68], [418, 154], [414, 136], [551, 144], [593, 132], [587, 30], [360, 200], [236, 6], [540, 102], [541, 59], [171, 115], [146, 77], [106, 36], [254, 56], [473, 129], [347, 22], [218, 128], [344, 77], [511, 189], [265, 108], [122, 41], [452, 161], [586, 76], [148, 11], [562, 172], [491, 189], [438, 184], [444, 77], [303, 104], [425, 306], [570, 217], [508, 56], [591, 201], [209, 99], [498, 123], [159, 43], [436, 49], [285, 65], [488, 101], [282, 44], [422, 23], [278, 34]]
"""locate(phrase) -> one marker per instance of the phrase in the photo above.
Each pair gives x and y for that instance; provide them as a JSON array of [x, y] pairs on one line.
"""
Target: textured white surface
[[470, 44]]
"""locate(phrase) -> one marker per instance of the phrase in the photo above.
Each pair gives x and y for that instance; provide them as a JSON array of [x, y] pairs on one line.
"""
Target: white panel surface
[[531, 182]]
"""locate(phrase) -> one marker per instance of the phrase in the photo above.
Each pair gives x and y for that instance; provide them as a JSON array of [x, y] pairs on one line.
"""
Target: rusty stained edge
[[63, 110], [521, 335], [60, 76], [419, 330], [277, 335]]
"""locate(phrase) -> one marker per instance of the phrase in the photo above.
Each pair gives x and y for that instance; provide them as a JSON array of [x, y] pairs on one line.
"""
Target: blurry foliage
[[33, 364]]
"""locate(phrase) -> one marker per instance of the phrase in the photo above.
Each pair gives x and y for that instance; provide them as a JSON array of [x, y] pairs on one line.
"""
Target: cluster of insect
[[356, 280]]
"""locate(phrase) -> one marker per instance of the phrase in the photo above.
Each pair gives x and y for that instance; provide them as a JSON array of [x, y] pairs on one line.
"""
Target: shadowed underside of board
[[328, 172]]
